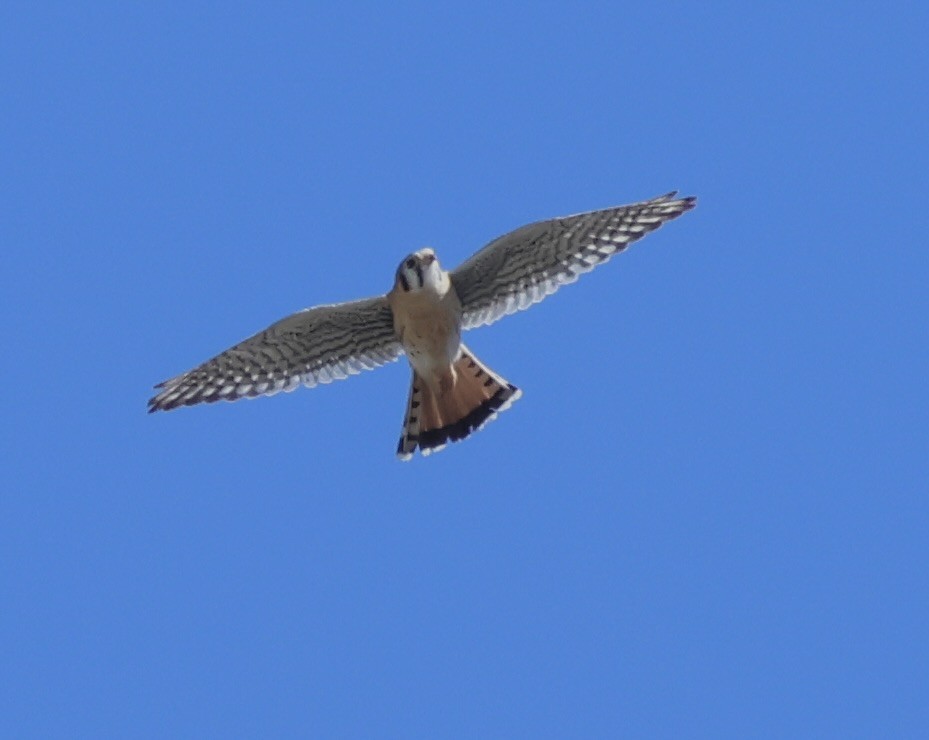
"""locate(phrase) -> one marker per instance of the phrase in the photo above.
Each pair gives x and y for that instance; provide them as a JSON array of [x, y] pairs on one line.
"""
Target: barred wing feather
[[316, 345], [521, 268]]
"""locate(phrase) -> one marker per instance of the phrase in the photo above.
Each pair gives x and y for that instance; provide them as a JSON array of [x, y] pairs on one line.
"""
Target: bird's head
[[419, 270]]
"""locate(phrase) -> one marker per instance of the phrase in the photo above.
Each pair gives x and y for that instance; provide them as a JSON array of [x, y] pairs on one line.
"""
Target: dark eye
[[411, 263]]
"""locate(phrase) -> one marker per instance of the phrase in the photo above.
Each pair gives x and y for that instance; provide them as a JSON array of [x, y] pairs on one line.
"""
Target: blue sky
[[707, 515]]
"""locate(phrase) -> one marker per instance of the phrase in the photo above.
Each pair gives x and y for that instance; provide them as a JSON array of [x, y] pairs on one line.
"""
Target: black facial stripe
[[404, 282], [419, 274]]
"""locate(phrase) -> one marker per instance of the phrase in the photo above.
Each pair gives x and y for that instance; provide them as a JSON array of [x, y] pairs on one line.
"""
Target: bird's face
[[418, 271]]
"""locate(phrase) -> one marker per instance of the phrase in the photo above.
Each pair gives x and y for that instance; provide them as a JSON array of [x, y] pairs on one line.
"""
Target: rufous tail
[[435, 417]]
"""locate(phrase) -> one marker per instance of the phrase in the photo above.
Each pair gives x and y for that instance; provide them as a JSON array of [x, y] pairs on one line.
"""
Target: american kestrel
[[452, 393]]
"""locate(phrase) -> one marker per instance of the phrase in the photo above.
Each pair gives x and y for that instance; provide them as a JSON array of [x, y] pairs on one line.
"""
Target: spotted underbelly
[[431, 343]]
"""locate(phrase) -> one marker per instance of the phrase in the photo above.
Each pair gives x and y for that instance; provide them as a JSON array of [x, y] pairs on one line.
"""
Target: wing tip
[[161, 403], [155, 402], [686, 202]]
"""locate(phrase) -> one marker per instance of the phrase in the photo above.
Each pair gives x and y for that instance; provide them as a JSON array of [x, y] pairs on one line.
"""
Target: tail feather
[[411, 425], [436, 417]]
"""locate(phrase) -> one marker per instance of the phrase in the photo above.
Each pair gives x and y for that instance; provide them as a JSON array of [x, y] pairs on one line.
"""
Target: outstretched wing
[[317, 345], [522, 267]]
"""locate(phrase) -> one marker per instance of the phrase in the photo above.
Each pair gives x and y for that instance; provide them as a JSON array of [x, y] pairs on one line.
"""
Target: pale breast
[[429, 327]]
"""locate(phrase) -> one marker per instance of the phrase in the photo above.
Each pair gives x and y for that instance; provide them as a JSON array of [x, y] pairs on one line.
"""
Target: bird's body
[[451, 393], [423, 316], [427, 319]]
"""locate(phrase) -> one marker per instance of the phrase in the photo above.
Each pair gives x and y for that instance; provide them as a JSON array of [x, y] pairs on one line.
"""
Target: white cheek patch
[[409, 280]]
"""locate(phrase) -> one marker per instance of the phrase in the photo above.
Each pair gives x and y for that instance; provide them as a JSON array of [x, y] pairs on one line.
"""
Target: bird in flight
[[423, 316]]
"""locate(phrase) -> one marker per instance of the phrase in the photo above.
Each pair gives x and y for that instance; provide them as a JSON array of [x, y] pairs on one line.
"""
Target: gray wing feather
[[520, 268], [316, 345]]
